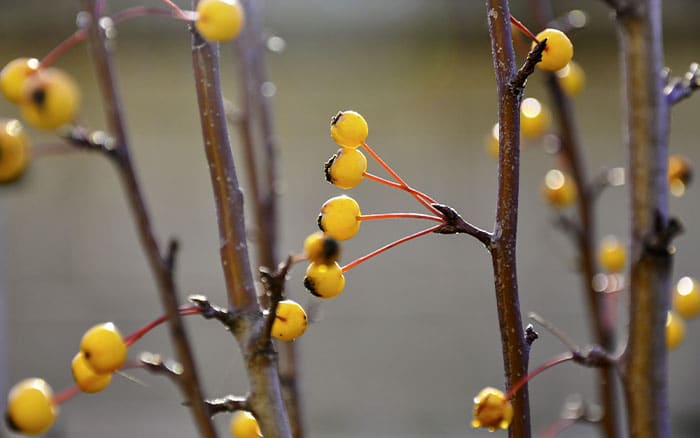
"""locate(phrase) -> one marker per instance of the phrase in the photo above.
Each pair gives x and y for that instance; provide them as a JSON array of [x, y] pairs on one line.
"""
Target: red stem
[[177, 9], [524, 29], [62, 48], [369, 217], [364, 258], [138, 334], [66, 395], [545, 366], [396, 185]]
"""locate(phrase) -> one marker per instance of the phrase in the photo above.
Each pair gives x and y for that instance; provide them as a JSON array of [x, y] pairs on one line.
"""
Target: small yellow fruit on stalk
[[324, 281], [14, 150], [680, 174], [319, 248], [349, 129], [13, 76], [612, 255], [86, 378], [339, 217], [534, 118], [290, 321], [51, 99], [492, 410], [30, 407], [572, 78], [104, 348], [558, 51], [559, 190], [244, 425], [686, 298], [219, 20]]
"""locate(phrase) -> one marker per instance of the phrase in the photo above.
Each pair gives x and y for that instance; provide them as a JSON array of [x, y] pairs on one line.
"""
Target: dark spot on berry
[[336, 117], [320, 223], [10, 423], [38, 97], [331, 249], [328, 164], [309, 285], [86, 354]]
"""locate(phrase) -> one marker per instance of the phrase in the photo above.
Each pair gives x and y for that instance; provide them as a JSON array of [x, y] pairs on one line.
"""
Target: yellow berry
[[680, 174], [558, 51], [290, 321], [492, 145], [675, 330], [339, 217], [572, 78], [492, 410], [319, 248], [686, 299], [324, 281], [244, 425], [219, 20], [14, 74], [349, 129], [534, 118], [104, 348], [14, 150], [51, 99], [345, 169], [559, 189], [612, 255], [86, 378], [30, 407]]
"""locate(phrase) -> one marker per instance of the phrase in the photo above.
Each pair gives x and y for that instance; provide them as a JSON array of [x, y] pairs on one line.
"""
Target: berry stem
[[62, 48], [66, 395], [179, 12], [378, 251], [396, 185], [369, 217], [565, 357], [138, 334], [524, 29]]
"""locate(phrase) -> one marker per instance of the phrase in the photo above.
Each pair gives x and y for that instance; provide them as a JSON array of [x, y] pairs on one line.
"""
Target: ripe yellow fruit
[[572, 78], [13, 76], [612, 255], [339, 217], [319, 248], [219, 20], [558, 51], [30, 407], [104, 348], [686, 298], [346, 168], [675, 330], [680, 174], [349, 129], [86, 378], [290, 321], [51, 99], [559, 190], [535, 119], [492, 410], [244, 425], [14, 150], [324, 281]]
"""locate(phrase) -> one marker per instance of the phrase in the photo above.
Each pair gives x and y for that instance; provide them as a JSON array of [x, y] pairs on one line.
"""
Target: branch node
[[455, 224], [210, 311], [168, 367], [517, 84], [659, 240], [530, 335], [99, 141], [230, 403]]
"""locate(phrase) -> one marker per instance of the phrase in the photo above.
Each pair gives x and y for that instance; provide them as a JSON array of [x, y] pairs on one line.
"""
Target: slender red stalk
[[369, 217], [558, 427], [396, 185], [177, 9], [545, 366], [62, 48], [138, 334], [524, 29], [66, 395], [376, 252]]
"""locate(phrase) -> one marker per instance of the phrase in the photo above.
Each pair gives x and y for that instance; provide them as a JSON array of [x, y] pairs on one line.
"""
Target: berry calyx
[[572, 78], [346, 168], [339, 217], [86, 378], [559, 190], [14, 150], [244, 425], [686, 298], [558, 51], [50, 99], [349, 129], [324, 280], [30, 407], [680, 174], [319, 248], [13, 76], [612, 255], [290, 321], [219, 20], [534, 118], [104, 348], [675, 330], [492, 410]]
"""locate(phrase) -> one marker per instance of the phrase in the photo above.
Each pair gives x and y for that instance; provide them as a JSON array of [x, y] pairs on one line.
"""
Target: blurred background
[[414, 336]]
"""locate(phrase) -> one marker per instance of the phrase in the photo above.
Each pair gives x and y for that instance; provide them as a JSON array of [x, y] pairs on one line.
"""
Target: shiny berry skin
[[244, 425], [680, 174], [492, 410], [686, 298], [559, 190], [612, 255], [675, 330], [534, 118], [30, 407], [86, 378], [104, 348], [290, 321], [349, 129], [14, 150], [339, 217], [319, 248], [558, 51], [324, 281], [345, 169], [13, 76], [219, 20], [51, 99], [572, 79]]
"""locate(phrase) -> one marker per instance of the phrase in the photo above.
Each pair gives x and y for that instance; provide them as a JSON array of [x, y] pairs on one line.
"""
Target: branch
[[528, 68], [163, 275], [229, 403], [679, 89], [455, 224], [274, 283]]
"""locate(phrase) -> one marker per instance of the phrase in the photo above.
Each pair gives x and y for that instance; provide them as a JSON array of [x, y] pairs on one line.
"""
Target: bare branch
[[535, 56], [455, 224], [229, 403], [681, 88]]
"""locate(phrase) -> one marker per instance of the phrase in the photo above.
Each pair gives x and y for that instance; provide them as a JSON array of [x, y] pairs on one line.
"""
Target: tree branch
[[679, 89]]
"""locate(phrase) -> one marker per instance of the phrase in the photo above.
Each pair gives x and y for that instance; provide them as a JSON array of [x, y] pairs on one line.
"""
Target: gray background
[[414, 336]]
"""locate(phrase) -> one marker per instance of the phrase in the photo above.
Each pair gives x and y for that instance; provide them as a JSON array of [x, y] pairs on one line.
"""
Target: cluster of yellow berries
[[686, 306]]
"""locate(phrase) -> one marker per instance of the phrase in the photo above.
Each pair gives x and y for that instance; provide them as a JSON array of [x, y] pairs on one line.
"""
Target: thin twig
[[455, 224], [229, 403], [681, 88], [274, 283]]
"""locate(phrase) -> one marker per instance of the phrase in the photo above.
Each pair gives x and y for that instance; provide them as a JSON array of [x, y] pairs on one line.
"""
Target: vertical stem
[[639, 26], [503, 250], [161, 270]]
